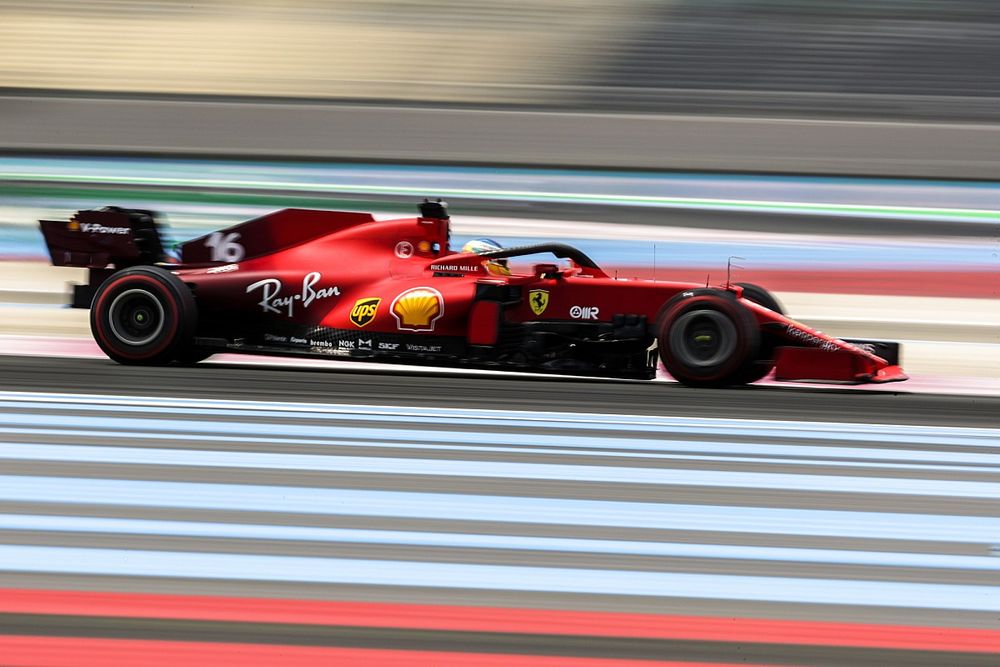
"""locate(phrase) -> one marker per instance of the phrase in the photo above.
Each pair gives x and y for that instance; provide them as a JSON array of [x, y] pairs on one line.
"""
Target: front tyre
[[705, 338], [144, 315], [764, 362]]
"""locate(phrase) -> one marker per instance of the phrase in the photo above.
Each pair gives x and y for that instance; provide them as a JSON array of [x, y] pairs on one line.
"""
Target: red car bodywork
[[340, 284]]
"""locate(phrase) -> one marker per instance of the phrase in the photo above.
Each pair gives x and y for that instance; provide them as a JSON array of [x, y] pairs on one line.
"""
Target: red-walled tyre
[[707, 339], [144, 315]]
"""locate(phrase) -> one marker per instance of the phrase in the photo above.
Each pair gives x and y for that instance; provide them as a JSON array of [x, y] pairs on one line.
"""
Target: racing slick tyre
[[761, 296], [705, 338], [144, 315], [765, 355]]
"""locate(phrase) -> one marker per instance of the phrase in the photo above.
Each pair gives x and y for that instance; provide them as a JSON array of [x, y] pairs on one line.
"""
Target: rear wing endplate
[[103, 241]]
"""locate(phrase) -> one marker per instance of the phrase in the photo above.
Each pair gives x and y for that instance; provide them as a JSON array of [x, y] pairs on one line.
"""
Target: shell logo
[[73, 225], [418, 309]]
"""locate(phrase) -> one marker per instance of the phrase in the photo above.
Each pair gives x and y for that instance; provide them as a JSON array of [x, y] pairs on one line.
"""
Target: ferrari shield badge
[[539, 300]]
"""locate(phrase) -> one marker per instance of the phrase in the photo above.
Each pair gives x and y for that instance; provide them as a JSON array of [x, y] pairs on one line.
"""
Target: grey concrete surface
[[253, 128]]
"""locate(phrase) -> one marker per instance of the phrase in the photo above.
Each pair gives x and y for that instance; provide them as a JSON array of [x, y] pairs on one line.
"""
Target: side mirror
[[546, 270]]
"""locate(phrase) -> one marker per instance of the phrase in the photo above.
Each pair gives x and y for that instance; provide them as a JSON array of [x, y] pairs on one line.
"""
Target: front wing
[[815, 356]]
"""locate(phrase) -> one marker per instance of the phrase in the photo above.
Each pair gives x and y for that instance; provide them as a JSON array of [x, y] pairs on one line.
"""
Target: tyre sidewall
[[178, 315], [744, 329]]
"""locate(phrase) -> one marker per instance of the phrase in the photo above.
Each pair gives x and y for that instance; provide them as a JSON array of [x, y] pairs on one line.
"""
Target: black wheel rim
[[136, 317], [703, 338]]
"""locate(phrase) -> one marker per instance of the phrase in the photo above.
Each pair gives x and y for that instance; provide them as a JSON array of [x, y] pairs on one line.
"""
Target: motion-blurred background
[[848, 152], [894, 58]]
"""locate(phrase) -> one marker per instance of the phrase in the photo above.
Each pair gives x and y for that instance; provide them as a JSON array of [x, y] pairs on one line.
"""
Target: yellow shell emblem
[[418, 309], [73, 225]]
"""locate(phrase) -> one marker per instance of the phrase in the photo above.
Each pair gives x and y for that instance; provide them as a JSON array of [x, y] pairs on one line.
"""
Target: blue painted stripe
[[500, 469], [244, 567], [511, 509], [867, 189], [241, 531], [867, 458]]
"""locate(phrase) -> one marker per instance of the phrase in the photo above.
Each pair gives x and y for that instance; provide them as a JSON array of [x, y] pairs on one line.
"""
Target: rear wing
[[103, 240]]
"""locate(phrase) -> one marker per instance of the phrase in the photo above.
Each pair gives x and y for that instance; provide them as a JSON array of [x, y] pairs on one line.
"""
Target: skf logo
[[584, 312], [538, 299], [73, 225], [418, 309], [364, 310]]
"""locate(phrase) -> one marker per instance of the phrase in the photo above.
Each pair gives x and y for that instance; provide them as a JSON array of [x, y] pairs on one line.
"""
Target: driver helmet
[[495, 266]]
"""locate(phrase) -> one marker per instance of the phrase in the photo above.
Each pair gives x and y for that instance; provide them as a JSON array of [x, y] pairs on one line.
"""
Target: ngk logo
[[584, 312]]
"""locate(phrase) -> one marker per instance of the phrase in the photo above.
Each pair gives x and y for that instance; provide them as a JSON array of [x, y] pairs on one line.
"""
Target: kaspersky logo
[[364, 310], [418, 309]]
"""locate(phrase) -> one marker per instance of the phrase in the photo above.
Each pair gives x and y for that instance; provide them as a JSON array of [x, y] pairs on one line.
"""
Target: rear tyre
[[764, 362], [705, 338], [761, 296], [144, 315]]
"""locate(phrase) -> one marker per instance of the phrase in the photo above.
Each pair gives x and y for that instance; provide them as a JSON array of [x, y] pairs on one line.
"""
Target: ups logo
[[364, 310]]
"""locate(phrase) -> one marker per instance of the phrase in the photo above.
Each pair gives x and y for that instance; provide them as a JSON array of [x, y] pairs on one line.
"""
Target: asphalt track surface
[[410, 386], [849, 519]]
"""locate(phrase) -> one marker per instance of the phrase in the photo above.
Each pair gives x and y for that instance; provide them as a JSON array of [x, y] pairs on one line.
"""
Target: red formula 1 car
[[343, 285]]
